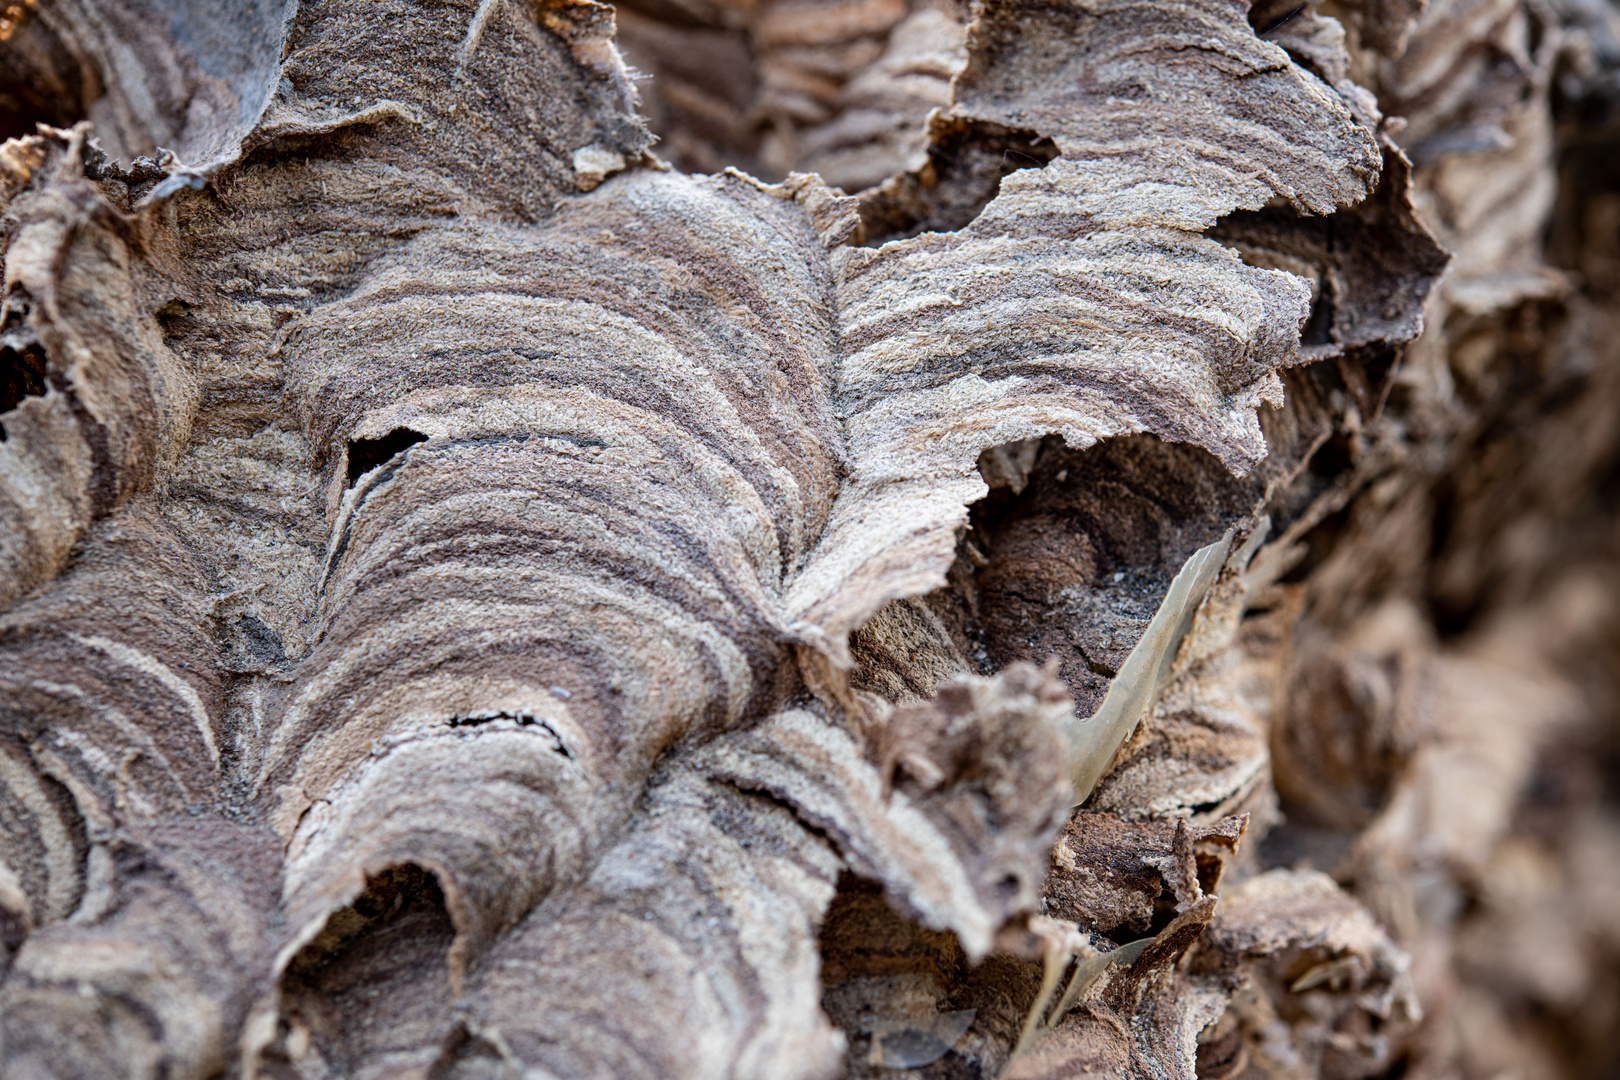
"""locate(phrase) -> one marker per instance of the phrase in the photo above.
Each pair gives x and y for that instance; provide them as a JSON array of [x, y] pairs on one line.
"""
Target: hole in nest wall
[[41, 80], [384, 955], [367, 454], [1267, 17], [22, 375], [964, 171], [1075, 563], [1067, 557]]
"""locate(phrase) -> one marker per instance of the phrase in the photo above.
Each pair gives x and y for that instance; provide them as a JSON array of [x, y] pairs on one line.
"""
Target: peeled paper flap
[[1094, 740]]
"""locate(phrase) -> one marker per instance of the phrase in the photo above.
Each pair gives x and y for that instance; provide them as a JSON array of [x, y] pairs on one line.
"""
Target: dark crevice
[[966, 165], [1269, 16], [865, 943], [1096, 668], [367, 454], [40, 77], [1165, 910], [522, 719], [1319, 543], [22, 375], [1075, 565], [750, 790], [1397, 1069], [104, 472], [13, 932], [1371, 267], [387, 953], [386, 897], [1318, 328], [260, 641], [1334, 457]]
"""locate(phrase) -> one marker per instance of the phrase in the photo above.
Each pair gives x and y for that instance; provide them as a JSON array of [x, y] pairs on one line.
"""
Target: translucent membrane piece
[[1094, 740]]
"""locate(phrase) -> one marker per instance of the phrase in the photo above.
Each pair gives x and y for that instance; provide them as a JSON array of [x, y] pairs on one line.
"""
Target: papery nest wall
[[484, 599]]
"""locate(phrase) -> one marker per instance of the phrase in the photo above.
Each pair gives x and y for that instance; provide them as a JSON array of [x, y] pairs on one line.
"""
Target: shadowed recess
[[369, 997], [367, 454], [1097, 535], [39, 79], [204, 74], [967, 161], [22, 375]]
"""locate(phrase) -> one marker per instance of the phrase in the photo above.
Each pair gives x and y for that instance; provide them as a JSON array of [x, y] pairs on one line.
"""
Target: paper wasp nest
[[487, 590]]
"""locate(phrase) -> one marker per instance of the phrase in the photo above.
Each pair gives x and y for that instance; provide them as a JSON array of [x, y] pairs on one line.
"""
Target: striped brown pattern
[[555, 687], [1083, 300]]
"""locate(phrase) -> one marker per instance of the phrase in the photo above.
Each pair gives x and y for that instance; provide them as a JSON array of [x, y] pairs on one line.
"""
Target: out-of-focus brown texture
[[480, 598]]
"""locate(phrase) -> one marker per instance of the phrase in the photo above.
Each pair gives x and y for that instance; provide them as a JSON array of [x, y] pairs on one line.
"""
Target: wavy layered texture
[[112, 699], [826, 86], [111, 407], [569, 573], [440, 528], [1082, 300]]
